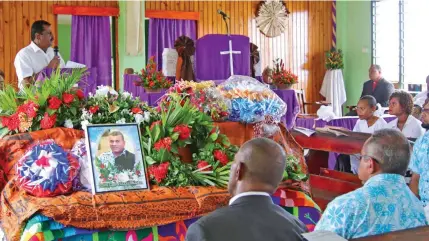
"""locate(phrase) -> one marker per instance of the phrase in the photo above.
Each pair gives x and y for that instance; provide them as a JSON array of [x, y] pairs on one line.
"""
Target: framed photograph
[[116, 156]]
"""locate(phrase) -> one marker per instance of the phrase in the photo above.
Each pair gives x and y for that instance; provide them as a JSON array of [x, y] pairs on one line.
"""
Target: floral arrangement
[[251, 100], [334, 59], [203, 95], [282, 76], [293, 170], [109, 106], [51, 103], [170, 141], [152, 79], [110, 176]]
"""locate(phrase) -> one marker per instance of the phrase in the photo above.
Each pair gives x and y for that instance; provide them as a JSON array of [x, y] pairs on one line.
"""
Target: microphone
[[222, 13], [56, 50]]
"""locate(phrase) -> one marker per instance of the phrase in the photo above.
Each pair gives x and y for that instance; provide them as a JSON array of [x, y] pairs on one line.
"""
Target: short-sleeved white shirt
[[412, 127], [31, 60]]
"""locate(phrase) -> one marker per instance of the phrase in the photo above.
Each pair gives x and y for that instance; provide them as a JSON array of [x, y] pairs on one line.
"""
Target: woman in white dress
[[367, 123], [401, 106]]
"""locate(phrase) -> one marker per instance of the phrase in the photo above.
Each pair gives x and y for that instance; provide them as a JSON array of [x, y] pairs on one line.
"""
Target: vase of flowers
[[334, 59], [282, 78], [152, 80]]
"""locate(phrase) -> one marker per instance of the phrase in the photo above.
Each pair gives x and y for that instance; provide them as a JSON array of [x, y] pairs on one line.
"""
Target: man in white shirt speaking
[[38, 55]]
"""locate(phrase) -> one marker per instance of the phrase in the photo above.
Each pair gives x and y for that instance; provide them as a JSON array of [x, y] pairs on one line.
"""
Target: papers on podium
[[74, 65]]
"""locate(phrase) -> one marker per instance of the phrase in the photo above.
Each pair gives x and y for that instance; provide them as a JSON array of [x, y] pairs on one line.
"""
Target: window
[[399, 40]]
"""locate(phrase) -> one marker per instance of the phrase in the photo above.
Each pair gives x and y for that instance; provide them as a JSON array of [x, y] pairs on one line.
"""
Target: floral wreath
[[47, 170]]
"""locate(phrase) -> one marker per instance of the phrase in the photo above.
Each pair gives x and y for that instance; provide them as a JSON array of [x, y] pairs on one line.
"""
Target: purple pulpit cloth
[[289, 97], [212, 57], [345, 122], [87, 84]]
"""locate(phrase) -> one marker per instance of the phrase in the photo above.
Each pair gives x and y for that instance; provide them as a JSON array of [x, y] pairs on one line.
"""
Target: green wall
[[354, 38], [64, 40], [135, 62]]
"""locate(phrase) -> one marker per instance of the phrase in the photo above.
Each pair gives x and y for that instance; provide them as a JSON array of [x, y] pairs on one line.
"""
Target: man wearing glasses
[[384, 203], [38, 55], [419, 163]]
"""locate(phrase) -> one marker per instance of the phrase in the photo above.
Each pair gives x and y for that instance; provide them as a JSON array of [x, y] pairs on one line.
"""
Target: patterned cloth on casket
[[40, 227]]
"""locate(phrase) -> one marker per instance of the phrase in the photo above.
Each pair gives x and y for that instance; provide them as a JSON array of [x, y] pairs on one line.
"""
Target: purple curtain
[[163, 33], [91, 45]]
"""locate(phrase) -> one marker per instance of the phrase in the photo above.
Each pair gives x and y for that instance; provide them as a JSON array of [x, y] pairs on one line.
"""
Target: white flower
[[121, 121], [146, 116], [84, 123], [123, 177], [126, 94], [90, 94], [103, 90], [86, 115], [139, 118], [125, 112], [68, 124]]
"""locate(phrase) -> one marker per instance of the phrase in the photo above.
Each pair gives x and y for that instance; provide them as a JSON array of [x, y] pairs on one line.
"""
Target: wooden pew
[[326, 189], [343, 176], [321, 143], [414, 234]]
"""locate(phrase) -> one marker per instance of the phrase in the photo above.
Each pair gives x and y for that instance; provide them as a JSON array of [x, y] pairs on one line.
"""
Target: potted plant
[[152, 80], [282, 78]]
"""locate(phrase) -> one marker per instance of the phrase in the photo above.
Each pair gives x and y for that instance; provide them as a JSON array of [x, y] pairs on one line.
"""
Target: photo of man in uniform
[[118, 155]]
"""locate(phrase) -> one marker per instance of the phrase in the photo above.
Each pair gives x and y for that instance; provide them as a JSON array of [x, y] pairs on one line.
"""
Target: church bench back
[[414, 234]]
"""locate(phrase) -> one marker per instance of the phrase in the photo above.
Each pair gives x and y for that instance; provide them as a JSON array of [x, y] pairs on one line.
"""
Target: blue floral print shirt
[[384, 204], [420, 164]]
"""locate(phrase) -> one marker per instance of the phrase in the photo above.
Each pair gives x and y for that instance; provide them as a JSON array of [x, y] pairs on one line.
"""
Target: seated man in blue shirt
[[385, 203], [419, 163]]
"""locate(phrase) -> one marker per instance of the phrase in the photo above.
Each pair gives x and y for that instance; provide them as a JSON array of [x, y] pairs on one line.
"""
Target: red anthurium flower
[[48, 121], [136, 110], [202, 164], [11, 122], [79, 94], [68, 98], [184, 131], [93, 109], [159, 172], [54, 103], [221, 157], [164, 143]]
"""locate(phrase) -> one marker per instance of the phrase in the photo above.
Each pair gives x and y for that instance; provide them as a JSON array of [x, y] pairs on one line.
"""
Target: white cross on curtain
[[231, 59]]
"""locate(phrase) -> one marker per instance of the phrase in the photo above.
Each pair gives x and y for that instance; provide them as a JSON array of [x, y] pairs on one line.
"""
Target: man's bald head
[[258, 166]]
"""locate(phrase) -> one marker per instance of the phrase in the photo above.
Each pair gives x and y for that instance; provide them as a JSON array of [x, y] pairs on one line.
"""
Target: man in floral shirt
[[419, 163], [118, 156], [385, 203]]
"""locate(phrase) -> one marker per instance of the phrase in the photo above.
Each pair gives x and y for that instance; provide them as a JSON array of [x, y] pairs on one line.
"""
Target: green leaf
[[175, 136], [149, 160], [214, 136], [73, 111]]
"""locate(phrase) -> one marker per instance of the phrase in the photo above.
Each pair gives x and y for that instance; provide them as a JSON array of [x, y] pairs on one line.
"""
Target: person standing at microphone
[[37, 55]]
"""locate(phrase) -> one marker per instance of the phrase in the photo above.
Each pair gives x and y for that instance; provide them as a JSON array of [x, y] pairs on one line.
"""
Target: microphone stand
[[226, 23]]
